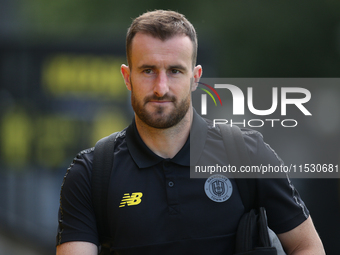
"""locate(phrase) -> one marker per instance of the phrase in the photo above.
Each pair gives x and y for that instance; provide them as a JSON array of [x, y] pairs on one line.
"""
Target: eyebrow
[[147, 67], [180, 67]]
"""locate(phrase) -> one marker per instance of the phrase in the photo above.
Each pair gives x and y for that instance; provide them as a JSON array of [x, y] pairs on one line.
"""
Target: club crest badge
[[218, 188]]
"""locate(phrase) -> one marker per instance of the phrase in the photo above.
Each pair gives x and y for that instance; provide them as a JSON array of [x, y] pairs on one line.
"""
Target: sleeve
[[76, 216], [284, 206]]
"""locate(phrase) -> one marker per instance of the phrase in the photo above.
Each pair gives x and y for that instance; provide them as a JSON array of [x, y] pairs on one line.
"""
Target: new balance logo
[[134, 199]]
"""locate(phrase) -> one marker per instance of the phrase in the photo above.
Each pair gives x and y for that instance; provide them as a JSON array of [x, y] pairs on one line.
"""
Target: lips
[[160, 102]]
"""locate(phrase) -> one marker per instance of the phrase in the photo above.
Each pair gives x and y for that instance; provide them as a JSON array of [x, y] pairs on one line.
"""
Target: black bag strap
[[237, 153], [101, 171], [252, 236], [253, 228]]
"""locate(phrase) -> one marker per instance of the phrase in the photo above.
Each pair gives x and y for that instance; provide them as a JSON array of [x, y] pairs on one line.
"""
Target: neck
[[167, 142]]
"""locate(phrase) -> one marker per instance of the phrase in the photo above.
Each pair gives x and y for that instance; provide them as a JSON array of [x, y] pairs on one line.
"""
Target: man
[[170, 213]]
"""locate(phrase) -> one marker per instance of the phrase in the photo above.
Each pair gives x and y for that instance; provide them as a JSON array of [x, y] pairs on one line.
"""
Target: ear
[[125, 70], [197, 75]]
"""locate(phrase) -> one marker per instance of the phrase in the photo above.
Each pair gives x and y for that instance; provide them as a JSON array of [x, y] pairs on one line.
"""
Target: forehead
[[146, 49]]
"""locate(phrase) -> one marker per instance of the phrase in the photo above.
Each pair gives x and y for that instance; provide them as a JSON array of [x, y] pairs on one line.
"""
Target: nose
[[161, 84]]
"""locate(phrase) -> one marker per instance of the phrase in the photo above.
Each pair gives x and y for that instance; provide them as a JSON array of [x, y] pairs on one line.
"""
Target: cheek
[[183, 93], [140, 83]]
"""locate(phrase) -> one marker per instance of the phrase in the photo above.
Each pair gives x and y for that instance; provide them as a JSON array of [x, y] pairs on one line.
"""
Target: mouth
[[159, 102]]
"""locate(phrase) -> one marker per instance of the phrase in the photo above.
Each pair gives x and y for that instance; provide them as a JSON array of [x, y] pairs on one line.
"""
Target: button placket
[[170, 187]]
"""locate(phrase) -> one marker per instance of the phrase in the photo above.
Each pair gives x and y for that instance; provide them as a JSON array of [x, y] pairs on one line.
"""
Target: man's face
[[161, 79]]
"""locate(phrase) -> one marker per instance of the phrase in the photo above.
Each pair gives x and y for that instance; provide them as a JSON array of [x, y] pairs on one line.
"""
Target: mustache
[[166, 97]]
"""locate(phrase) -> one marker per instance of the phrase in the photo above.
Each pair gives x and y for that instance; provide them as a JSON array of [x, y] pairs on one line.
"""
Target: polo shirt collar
[[144, 157]]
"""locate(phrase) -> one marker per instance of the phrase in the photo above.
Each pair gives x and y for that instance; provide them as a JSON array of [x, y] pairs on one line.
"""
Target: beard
[[160, 117]]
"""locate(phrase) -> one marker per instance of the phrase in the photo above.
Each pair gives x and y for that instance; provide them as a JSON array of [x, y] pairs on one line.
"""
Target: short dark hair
[[163, 25]]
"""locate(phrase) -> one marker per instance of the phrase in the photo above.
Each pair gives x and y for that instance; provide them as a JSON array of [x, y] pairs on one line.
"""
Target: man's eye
[[148, 71], [175, 71]]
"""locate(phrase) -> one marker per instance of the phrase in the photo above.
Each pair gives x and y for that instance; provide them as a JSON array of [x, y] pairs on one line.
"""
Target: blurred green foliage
[[249, 38]]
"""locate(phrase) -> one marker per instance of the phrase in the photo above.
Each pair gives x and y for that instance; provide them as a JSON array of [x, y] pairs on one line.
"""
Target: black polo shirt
[[154, 206]]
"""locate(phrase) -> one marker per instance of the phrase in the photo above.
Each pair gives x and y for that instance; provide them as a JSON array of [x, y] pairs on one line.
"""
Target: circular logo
[[218, 188]]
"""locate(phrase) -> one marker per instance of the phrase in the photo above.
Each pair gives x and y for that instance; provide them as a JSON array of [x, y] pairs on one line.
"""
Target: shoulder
[[76, 216], [259, 151], [82, 163], [78, 174]]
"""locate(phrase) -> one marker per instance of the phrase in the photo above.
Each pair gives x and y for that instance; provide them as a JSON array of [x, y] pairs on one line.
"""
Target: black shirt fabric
[[154, 206]]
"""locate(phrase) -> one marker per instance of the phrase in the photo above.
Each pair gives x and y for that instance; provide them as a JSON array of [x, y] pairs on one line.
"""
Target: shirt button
[[171, 184]]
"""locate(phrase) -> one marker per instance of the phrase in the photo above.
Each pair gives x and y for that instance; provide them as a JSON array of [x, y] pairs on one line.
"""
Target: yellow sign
[[87, 76]]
